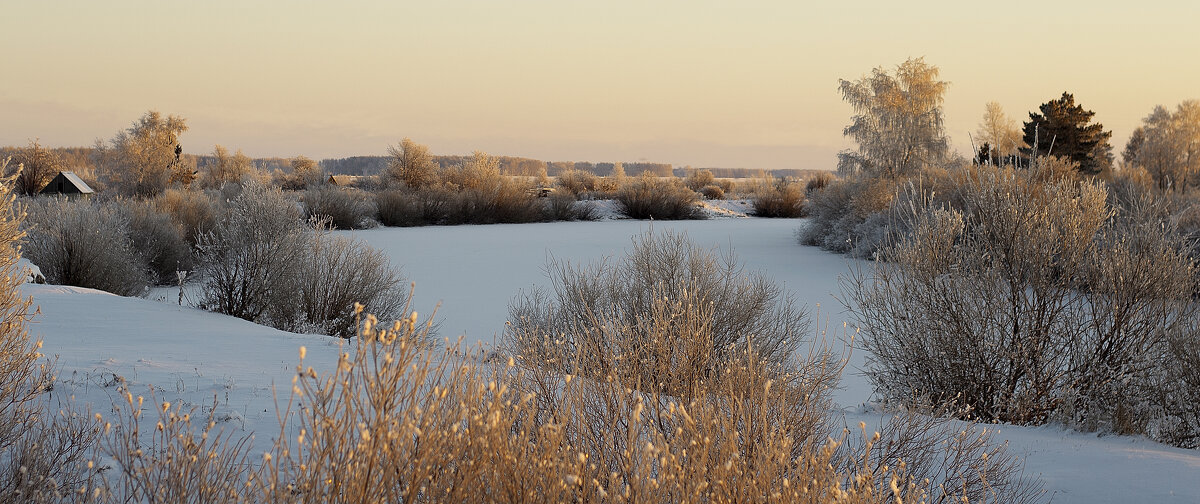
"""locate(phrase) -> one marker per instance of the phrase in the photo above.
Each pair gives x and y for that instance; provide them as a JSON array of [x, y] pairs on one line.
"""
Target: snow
[[31, 272], [178, 354], [189, 356]]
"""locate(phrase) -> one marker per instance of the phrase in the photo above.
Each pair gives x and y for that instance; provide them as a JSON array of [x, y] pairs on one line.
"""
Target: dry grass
[[41, 451], [183, 459], [401, 421]]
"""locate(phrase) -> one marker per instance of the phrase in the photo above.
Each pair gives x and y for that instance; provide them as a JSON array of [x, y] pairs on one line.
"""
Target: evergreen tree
[[1062, 129], [984, 156]]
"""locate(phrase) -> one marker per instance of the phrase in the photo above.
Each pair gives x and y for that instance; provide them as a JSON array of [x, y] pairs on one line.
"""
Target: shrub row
[[1023, 296]]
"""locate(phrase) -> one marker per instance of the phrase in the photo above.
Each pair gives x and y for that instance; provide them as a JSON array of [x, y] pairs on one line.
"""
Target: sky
[[748, 84]]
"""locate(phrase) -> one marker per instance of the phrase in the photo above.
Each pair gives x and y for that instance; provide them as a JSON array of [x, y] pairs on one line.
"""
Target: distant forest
[[511, 165], [83, 159]]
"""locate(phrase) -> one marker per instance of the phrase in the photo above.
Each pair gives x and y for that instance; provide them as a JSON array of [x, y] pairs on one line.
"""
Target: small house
[[344, 180], [68, 184]]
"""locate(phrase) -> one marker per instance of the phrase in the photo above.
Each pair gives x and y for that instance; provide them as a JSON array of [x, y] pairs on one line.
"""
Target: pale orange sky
[[730, 84]]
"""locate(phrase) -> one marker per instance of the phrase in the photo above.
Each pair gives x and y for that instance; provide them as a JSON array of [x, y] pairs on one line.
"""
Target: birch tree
[[897, 121], [1168, 145], [141, 160], [999, 132]]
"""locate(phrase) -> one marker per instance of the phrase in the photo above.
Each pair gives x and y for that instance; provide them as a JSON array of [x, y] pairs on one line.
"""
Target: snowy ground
[[189, 356]]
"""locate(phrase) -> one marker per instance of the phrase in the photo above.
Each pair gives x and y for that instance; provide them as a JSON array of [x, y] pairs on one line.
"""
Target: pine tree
[[1062, 129], [984, 156]]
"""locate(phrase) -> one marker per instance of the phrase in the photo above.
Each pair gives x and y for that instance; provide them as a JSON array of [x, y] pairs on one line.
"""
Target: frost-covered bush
[[508, 201], [333, 274], [1174, 391], [1027, 304], [715, 307], [779, 199], [84, 243], [678, 350], [649, 197], [697, 179], [502, 200], [343, 207], [564, 207], [262, 264], [577, 182], [398, 207], [480, 171], [196, 211], [712, 192], [818, 182], [160, 241], [250, 259], [837, 211]]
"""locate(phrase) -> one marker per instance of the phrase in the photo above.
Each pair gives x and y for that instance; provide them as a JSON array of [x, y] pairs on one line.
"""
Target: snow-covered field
[[470, 273]]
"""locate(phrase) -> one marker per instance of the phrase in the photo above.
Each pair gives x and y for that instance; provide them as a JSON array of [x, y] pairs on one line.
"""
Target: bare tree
[[999, 132], [897, 121], [37, 166], [141, 160], [411, 164]]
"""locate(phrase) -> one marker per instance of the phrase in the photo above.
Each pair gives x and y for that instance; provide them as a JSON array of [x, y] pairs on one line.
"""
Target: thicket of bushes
[[1023, 295], [85, 243], [263, 264], [675, 348]]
